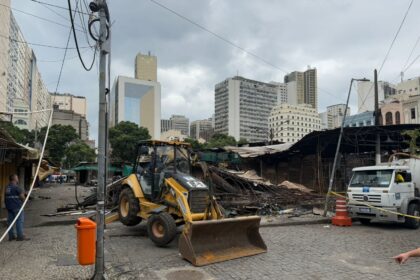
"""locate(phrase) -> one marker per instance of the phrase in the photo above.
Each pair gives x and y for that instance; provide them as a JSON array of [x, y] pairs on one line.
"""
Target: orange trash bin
[[86, 241]]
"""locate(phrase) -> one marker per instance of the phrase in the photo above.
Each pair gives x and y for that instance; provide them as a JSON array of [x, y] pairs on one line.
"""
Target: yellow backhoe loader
[[161, 191]]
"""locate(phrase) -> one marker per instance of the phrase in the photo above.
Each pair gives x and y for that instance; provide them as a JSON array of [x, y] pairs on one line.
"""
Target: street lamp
[[338, 145]]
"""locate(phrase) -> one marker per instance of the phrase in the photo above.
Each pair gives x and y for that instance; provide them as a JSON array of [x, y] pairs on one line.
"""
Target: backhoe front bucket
[[211, 241]]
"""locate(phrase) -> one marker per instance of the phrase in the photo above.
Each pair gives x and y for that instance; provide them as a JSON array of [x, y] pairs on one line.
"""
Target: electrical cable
[[38, 45], [76, 42], [43, 145], [57, 6], [389, 49], [39, 17], [220, 37], [411, 53], [58, 14]]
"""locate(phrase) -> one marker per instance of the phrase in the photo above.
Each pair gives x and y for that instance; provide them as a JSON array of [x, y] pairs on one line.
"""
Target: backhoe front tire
[[413, 210], [161, 229], [128, 208]]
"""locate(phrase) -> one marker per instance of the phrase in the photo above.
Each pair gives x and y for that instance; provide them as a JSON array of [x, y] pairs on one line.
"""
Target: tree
[[77, 152], [242, 141], [59, 138], [124, 138], [220, 140], [194, 143], [413, 135], [22, 136]]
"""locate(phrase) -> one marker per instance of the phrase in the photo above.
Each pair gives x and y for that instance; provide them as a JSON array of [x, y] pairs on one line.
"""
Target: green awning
[[95, 167]]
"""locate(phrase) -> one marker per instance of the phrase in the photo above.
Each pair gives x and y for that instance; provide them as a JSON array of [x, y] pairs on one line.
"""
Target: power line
[[220, 37], [58, 14], [36, 44], [76, 42], [56, 6], [395, 37], [39, 17], [390, 48], [414, 60], [411, 53]]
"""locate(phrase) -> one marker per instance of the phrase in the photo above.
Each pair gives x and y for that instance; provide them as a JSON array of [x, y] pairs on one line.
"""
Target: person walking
[[14, 198]]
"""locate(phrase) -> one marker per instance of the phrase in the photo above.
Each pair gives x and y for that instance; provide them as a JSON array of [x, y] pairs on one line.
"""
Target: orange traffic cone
[[341, 217]]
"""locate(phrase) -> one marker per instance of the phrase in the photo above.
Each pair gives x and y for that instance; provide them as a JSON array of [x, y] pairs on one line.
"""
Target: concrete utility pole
[[377, 122], [104, 49], [337, 150]]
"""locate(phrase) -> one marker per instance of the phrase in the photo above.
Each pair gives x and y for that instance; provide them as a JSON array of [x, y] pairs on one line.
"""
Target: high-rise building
[[289, 123], [302, 87], [202, 129], [311, 87], [366, 94], [21, 85], [67, 101], [75, 120], [295, 87], [409, 87], [5, 15], [242, 107], [146, 67], [324, 117], [281, 92], [180, 123], [165, 125], [137, 101], [336, 115]]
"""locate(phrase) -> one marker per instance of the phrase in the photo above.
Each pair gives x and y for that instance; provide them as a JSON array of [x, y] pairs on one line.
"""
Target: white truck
[[392, 187]]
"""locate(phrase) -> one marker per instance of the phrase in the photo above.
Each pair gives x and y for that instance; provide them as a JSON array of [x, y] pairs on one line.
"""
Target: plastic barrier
[[86, 241], [341, 217]]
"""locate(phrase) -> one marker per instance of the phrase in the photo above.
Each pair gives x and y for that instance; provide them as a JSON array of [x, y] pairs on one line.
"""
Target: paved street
[[295, 252]]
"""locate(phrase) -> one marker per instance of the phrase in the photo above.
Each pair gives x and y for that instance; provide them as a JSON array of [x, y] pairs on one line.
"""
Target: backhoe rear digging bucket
[[211, 241]]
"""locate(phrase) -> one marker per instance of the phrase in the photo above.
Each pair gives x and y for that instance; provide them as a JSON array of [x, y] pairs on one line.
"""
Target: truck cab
[[389, 187]]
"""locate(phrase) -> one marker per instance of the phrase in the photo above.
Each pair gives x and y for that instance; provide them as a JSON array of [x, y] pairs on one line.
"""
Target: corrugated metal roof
[[247, 152]]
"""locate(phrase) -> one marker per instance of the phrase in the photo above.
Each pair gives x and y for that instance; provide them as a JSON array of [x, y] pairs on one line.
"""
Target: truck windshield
[[371, 178]]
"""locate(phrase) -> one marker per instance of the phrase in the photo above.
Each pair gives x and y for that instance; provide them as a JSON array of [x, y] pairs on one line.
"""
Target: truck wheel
[[128, 208], [161, 228], [365, 222], [413, 210]]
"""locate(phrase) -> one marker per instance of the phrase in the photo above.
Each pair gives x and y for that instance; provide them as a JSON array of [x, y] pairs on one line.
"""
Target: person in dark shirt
[[14, 198]]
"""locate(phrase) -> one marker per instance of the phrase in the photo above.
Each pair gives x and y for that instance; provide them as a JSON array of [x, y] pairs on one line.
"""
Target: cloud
[[343, 39]]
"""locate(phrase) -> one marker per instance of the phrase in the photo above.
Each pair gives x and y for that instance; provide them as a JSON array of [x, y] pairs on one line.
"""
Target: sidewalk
[[51, 252]]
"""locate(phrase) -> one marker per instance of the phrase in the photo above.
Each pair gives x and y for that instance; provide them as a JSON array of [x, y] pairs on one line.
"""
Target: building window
[[397, 118], [22, 122], [413, 113], [388, 118]]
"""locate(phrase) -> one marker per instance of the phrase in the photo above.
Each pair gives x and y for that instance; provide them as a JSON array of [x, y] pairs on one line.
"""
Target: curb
[[296, 223]]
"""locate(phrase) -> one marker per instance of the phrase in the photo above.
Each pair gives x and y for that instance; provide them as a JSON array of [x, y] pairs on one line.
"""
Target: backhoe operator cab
[[161, 191], [155, 159]]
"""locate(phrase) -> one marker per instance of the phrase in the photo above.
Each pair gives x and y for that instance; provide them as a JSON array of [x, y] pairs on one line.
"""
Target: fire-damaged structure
[[309, 161], [270, 179]]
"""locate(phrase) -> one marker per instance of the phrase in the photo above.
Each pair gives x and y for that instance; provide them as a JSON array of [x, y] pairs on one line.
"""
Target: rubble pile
[[246, 193]]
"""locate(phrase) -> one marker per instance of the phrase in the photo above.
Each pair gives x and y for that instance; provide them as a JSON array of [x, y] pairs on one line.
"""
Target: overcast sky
[[341, 38]]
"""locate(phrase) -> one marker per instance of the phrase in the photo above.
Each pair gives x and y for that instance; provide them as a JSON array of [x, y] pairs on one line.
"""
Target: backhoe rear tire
[[413, 210], [161, 228], [128, 208]]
